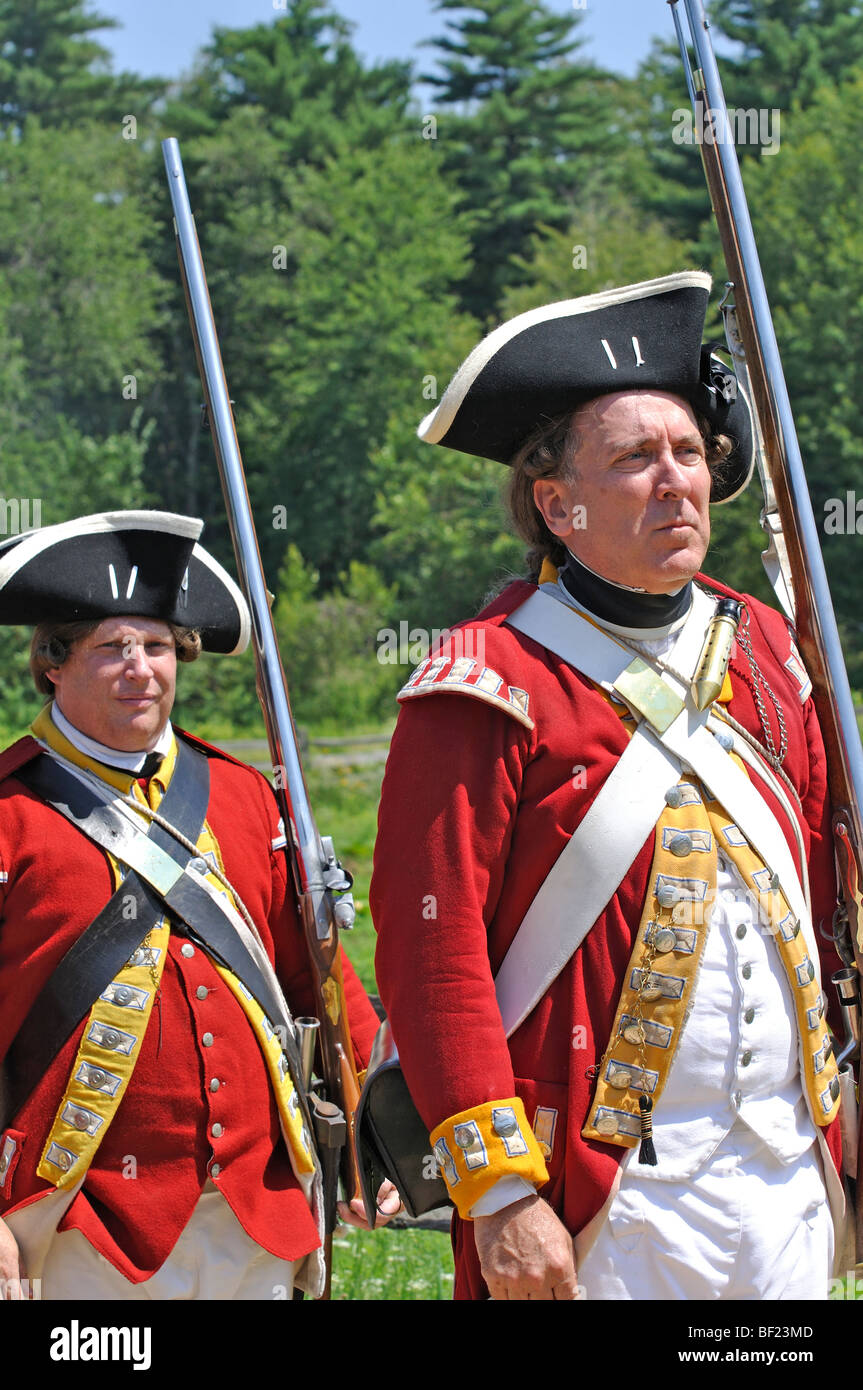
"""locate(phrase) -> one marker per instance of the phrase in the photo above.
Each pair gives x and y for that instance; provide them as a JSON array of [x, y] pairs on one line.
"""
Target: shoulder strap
[[177, 878], [588, 872], [599, 854], [102, 950]]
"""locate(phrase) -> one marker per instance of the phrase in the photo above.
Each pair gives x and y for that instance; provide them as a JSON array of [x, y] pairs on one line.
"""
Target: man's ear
[[553, 501]]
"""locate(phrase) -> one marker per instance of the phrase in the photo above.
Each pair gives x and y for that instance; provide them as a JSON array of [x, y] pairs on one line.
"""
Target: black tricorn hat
[[644, 337], [122, 564]]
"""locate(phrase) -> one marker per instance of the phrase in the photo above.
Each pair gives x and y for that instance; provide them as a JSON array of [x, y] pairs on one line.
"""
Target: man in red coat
[[155, 1144], [599, 922]]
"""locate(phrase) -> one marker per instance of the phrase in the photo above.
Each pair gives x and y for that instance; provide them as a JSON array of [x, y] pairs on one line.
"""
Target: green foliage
[[52, 69], [77, 298], [789, 48], [442, 528], [527, 125], [302, 73], [608, 243], [19, 700], [330, 643], [809, 223], [784, 50], [355, 246], [350, 353]]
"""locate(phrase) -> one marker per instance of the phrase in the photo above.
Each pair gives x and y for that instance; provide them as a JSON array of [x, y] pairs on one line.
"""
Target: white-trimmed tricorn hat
[[144, 564], [538, 366]]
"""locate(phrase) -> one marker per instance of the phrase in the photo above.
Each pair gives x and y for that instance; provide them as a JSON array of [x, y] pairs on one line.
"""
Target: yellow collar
[[45, 730]]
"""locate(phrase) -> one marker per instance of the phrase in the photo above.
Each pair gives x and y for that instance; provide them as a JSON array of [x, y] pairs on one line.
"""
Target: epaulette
[[19, 753], [463, 675]]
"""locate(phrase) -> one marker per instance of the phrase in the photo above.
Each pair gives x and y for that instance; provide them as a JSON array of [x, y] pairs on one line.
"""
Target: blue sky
[[161, 37]]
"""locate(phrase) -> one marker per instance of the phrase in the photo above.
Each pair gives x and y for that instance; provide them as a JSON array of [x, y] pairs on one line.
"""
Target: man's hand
[[526, 1252], [389, 1204], [11, 1269]]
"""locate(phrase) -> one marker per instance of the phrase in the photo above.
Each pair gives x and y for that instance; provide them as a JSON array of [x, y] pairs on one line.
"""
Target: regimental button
[[667, 895], [664, 940], [634, 1033], [673, 797], [619, 1080], [749, 1016], [122, 995], [198, 866], [216, 1130], [215, 1170], [207, 1040], [187, 949], [746, 1058], [201, 992], [464, 1136], [505, 1125], [96, 1077], [681, 845], [740, 932], [725, 740], [835, 1088], [746, 972], [544, 1148], [81, 1120], [110, 1037], [606, 1124], [215, 1084]]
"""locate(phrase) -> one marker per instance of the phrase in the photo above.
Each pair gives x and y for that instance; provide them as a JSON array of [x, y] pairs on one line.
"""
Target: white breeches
[[214, 1258], [744, 1227]]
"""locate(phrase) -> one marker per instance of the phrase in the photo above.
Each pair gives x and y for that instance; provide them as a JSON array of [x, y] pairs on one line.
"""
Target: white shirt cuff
[[503, 1194]]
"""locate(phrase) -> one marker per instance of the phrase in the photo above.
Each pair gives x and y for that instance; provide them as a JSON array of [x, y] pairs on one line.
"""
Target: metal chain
[[758, 678]]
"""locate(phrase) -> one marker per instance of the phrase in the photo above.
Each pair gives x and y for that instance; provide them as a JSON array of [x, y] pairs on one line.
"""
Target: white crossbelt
[[601, 851]]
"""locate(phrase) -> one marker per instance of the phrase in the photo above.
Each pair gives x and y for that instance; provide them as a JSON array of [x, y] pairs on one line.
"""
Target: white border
[[32, 543], [437, 423], [245, 616]]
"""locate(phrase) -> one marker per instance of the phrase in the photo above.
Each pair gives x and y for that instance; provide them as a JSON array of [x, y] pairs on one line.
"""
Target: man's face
[[117, 685], [638, 511]]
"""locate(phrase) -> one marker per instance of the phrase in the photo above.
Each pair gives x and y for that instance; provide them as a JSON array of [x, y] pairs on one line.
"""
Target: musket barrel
[[811, 575], [280, 733]]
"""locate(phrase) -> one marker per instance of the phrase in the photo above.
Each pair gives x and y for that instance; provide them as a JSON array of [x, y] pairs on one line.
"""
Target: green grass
[[345, 804], [404, 1265]]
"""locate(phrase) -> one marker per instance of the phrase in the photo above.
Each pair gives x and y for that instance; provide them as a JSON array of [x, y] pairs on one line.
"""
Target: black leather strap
[[92, 962], [187, 901]]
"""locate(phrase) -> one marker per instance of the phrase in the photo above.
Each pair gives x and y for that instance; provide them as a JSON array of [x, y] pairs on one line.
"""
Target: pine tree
[[788, 50], [522, 125], [302, 73], [51, 67]]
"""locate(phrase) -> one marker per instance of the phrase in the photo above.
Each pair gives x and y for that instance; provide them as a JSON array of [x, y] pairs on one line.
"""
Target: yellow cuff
[[477, 1147]]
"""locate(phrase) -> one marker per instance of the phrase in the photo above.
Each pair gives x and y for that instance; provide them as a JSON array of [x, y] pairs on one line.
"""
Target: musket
[[321, 884], [788, 515]]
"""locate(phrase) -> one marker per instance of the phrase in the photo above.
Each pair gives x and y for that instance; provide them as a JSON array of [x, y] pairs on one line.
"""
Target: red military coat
[[150, 1168], [476, 809]]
